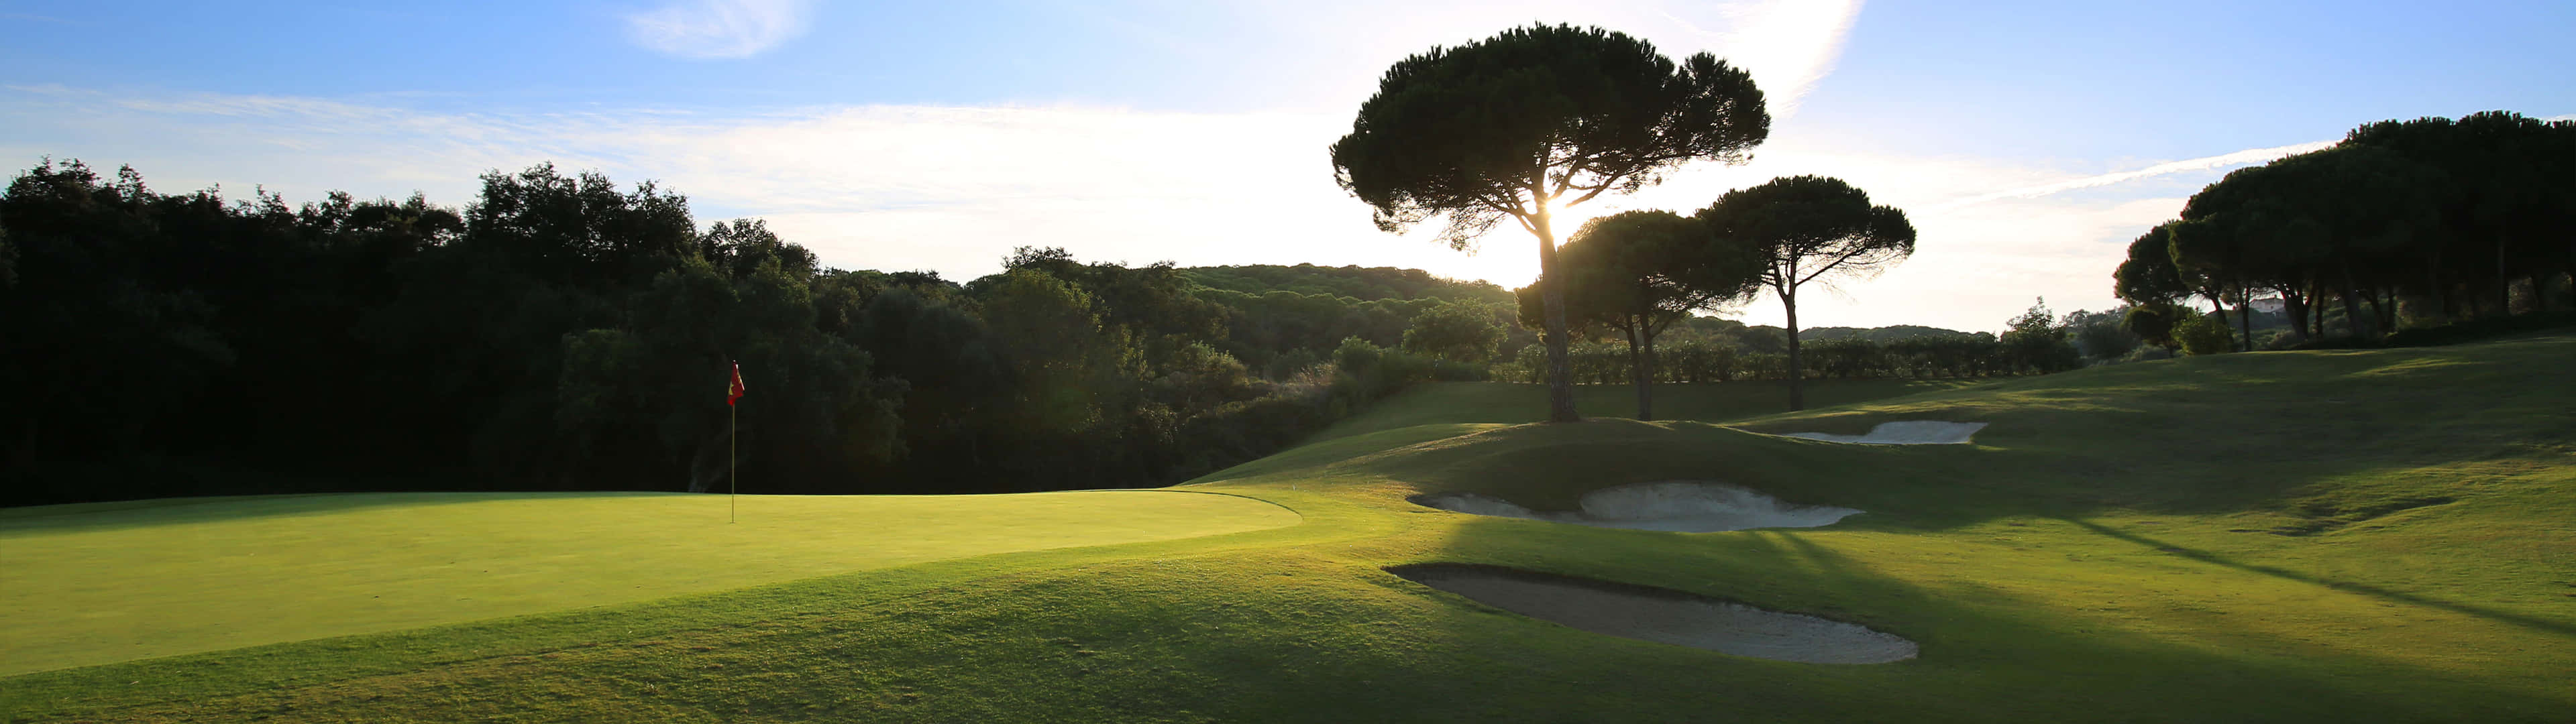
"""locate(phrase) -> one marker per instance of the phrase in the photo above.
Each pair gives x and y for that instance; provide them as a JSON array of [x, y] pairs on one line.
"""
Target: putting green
[[100, 583]]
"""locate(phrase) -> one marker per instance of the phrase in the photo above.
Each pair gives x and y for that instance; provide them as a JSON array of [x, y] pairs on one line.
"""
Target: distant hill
[[1356, 282], [1876, 334], [1769, 339]]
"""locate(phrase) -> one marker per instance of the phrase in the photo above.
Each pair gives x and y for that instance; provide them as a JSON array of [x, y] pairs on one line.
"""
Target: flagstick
[[733, 434]]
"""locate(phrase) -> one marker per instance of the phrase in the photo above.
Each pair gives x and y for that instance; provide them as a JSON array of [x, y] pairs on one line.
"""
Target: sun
[[1564, 219], [1507, 254]]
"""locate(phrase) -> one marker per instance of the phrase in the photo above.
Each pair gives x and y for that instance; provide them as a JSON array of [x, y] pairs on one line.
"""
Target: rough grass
[[2385, 535]]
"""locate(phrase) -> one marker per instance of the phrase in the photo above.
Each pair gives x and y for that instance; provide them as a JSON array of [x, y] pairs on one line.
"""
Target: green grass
[[221, 573], [2382, 535], [1505, 402]]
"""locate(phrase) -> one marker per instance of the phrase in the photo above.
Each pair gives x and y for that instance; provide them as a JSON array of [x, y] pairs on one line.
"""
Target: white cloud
[[719, 28], [1974, 265], [953, 189], [1788, 46]]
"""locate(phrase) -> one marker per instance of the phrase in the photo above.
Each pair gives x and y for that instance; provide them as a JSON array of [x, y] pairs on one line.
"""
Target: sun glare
[[1564, 220], [1508, 255]]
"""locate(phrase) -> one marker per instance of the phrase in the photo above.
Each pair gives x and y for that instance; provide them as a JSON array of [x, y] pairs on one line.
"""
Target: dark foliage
[[562, 333], [1534, 119], [2424, 222], [1807, 229]]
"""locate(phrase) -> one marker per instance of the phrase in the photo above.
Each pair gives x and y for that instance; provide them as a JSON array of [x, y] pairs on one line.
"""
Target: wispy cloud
[[1788, 46], [954, 188], [719, 28], [2204, 163]]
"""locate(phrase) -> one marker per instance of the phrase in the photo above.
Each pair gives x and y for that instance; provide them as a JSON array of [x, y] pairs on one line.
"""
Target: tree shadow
[[1987, 653], [2542, 625]]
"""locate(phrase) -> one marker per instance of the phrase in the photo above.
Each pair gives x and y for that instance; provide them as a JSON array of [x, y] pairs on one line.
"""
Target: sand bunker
[[1908, 432], [1677, 506], [1664, 616]]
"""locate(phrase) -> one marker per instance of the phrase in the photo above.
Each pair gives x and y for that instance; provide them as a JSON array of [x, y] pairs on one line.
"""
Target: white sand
[[1908, 432], [1665, 616], [1678, 506]]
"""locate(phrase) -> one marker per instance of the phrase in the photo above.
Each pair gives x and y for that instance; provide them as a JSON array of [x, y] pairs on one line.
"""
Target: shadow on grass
[[2537, 624], [1987, 653]]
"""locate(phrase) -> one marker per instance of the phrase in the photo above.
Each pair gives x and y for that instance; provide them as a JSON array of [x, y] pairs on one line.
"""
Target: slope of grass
[[1507, 402], [97, 583], [2307, 536]]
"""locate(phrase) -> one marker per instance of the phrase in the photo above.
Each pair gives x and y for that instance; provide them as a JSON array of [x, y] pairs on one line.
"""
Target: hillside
[[1876, 334], [1360, 283], [2376, 535]]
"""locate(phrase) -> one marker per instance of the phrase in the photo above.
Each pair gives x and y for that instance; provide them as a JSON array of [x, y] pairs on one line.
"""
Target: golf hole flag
[[734, 391]]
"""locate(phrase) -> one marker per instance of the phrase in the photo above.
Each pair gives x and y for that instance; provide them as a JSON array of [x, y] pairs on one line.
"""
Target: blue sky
[[2029, 141]]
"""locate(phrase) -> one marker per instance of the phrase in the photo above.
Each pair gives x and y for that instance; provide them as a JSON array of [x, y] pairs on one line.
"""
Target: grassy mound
[[1441, 403], [2384, 535]]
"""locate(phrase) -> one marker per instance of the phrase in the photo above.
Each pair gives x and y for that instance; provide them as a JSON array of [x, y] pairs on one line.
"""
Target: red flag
[[734, 392]]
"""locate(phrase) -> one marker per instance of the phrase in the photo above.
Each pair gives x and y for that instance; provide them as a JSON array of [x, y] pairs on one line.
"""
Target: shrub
[[2145, 353], [2480, 329], [2204, 334]]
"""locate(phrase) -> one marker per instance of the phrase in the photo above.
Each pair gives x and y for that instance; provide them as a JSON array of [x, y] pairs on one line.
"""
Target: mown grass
[[99, 583], [2307, 536], [1441, 403]]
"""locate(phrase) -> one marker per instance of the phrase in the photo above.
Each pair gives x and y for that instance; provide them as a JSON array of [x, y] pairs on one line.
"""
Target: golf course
[[2331, 535]]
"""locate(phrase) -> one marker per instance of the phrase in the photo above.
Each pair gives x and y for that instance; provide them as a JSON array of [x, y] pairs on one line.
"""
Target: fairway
[[98, 583], [2333, 536], [1508, 402]]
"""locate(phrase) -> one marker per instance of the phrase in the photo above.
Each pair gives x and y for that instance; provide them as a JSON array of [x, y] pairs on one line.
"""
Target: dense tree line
[[1355, 282], [1280, 332], [562, 332], [1719, 350], [2444, 219]]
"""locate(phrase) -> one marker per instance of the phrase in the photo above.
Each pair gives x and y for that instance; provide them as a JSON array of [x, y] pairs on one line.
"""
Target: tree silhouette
[[1532, 121], [1806, 228], [1638, 272]]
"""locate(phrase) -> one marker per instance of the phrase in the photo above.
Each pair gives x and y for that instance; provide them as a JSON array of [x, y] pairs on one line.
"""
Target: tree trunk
[[1797, 372], [2244, 317], [1646, 392], [2294, 308], [2504, 282], [2351, 311], [1637, 373], [2441, 292], [1560, 371], [2316, 309], [2218, 304]]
